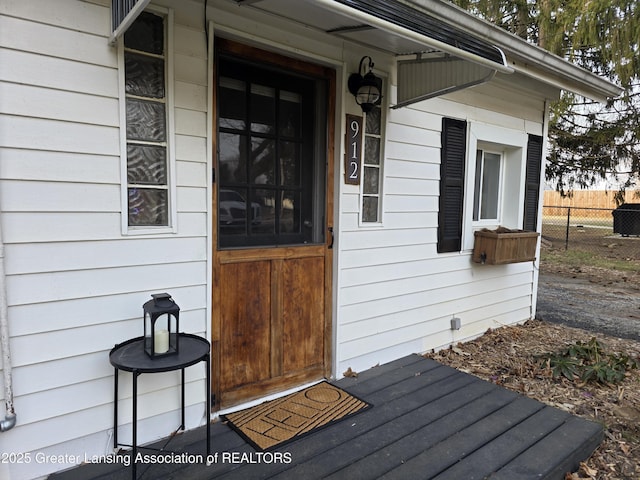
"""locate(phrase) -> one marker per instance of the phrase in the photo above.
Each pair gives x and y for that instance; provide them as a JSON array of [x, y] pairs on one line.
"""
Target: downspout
[[10, 418]]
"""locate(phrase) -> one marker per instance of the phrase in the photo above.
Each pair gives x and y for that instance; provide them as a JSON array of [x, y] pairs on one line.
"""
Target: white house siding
[[75, 283], [397, 294]]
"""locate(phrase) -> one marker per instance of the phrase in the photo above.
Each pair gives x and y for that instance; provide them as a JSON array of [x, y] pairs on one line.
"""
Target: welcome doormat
[[288, 418]]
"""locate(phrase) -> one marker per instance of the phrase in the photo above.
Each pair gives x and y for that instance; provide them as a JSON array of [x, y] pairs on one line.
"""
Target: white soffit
[[433, 75]]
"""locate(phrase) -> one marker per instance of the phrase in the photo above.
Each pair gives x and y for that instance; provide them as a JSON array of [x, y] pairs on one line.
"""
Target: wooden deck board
[[503, 450], [428, 421], [556, 454], [321, 447], [487, 453], [456, 447]]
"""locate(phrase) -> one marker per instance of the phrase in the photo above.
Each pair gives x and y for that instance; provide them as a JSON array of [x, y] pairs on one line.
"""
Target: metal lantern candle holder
[[161, 326]]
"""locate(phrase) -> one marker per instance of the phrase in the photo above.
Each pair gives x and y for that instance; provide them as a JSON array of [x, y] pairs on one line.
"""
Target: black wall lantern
[[367, 89], [161, 325]]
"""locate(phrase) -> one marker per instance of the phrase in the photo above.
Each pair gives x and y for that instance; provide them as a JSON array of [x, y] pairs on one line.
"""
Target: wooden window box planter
[[500, 246]]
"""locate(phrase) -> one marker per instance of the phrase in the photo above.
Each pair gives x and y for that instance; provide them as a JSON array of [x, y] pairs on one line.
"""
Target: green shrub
[[589, 362]]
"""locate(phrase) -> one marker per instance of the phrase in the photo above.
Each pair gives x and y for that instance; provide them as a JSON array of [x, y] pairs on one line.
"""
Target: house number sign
[[353, 157]]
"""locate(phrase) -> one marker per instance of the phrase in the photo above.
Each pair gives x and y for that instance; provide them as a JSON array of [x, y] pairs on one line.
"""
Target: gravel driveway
[[612, 309]]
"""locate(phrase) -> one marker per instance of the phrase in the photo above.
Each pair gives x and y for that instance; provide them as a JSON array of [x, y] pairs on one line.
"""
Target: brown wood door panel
[[303, 313], [280, 253], [245, 305], [272, 323]]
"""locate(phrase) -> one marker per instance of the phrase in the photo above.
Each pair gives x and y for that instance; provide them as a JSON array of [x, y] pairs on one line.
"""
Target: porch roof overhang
[[433, 56], [524, 57], [439, 47]]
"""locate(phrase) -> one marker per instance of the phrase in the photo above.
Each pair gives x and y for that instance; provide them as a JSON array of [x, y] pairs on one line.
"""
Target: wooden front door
[[271, 326]]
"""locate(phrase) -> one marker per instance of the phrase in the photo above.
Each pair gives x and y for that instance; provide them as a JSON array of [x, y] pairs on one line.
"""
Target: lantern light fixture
[[367, 88], [161, 326]]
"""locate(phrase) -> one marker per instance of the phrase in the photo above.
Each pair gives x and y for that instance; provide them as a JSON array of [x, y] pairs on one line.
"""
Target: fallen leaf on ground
[[350, 373]]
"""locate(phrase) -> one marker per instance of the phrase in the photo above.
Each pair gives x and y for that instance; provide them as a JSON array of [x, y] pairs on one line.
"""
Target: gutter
[[550, 68], [10, 418]]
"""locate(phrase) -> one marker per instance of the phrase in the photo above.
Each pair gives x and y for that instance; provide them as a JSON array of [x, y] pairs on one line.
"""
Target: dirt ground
[[609, 307], [594, 298], [510, 357]]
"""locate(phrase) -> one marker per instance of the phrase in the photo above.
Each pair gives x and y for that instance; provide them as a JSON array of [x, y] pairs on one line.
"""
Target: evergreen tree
[[588, 141]]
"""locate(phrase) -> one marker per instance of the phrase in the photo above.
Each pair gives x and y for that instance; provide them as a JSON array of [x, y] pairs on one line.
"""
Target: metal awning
[[123, 14], [397, 18], [432, 75], [434, 57]]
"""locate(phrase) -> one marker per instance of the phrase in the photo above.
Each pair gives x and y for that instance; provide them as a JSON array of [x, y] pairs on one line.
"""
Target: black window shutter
[[532, 182], [452, 161]]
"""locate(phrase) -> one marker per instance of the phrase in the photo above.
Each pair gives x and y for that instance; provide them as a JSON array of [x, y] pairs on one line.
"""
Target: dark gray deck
[[429, 421]]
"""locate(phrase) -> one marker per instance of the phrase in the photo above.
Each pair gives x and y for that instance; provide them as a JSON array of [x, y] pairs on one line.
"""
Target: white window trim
[[512, 144], [490, 221], [171, 156]]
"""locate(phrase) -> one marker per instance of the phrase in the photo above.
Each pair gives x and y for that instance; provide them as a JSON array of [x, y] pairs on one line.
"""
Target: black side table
[[131, 357]]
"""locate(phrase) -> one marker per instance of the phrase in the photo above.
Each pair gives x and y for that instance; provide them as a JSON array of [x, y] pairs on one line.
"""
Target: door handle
[[332, 237]]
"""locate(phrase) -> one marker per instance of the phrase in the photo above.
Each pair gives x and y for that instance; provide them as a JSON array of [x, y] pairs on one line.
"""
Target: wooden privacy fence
[[591, 199]]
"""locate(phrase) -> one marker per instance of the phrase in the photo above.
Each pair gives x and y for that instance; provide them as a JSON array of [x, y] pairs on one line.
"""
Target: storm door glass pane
[[232, 158], [290, 212], [146, 164], [263, 112], [290, 111], [275, 125], [148, 207], [144, 75], [263, 161], [233, 103], [263, 212], [146, 120], [290, 161], [232, 211]]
